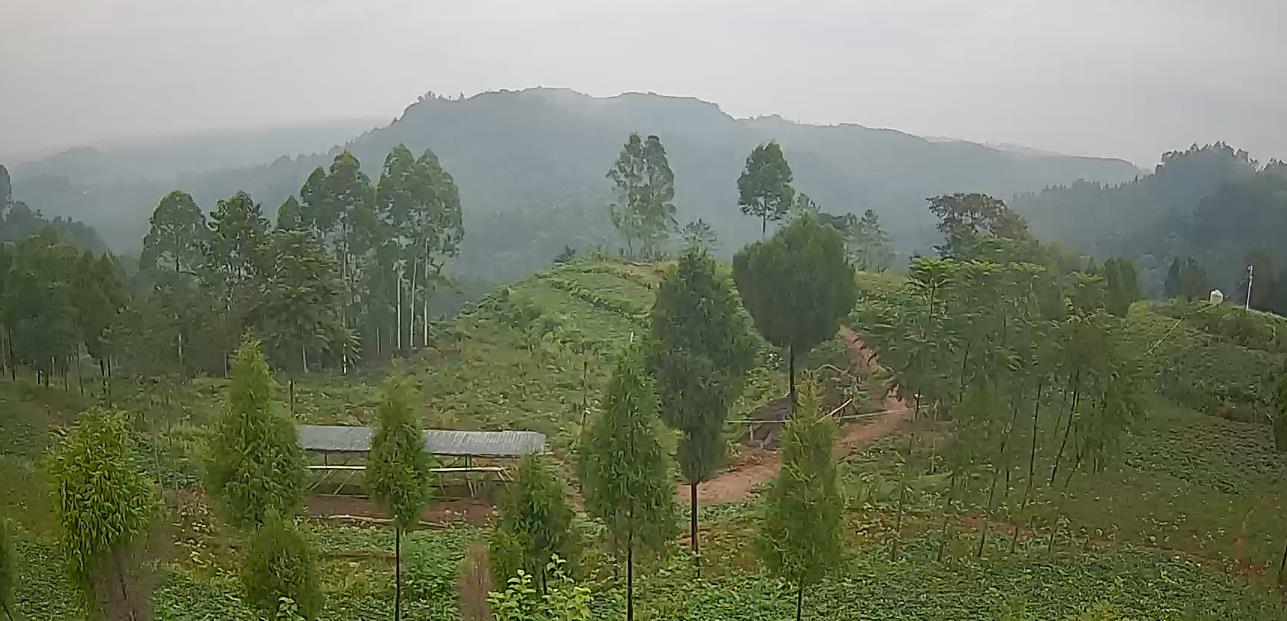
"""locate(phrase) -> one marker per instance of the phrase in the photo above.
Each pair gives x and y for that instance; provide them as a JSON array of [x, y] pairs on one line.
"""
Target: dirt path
[[758, 466]]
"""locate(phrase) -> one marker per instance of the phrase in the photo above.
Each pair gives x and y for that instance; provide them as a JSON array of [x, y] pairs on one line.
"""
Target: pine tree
[[625, 469], [398, 470], [256, 465], [797, 285], [535, 523], [699, 350], [800, 541]]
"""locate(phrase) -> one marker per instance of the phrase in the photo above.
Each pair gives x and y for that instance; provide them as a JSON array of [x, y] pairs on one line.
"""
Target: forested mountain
[[531, 169], [18, 221], [1213, 203]]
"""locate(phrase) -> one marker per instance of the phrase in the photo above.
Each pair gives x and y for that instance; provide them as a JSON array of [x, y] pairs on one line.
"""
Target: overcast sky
[[1127, 78]]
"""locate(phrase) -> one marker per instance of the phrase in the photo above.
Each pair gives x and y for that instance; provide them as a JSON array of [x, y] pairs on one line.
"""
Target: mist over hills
[[531, 169]]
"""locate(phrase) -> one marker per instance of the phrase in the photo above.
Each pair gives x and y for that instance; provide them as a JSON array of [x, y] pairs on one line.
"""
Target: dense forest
[[1214, 206]]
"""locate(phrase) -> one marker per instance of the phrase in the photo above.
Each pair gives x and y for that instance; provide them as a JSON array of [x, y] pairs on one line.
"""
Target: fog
[[1095, 77]]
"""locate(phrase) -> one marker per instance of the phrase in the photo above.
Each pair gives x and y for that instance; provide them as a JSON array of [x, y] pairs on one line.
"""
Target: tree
[[437, 233], [255, 464], [38, 304], [965, 218], [800, 541], [1172, 287], [1194, 282], [1123, 285], [870, 244], [699, 350], [644, 209], [699, 233], [796, 285], [299, 298], [625, 468], [236, 264], [535, 524], [398, 470], [290, 215], [342, 212], [764, 187], [8, 568], [104, 505], [98, 297], [176, 236], [280, 567]]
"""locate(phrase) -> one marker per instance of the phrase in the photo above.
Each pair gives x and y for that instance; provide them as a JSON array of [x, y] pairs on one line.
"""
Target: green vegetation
[[1019, 451], [797, 285], [104, 507], [625, 469], [764, 188], [398, 471], [536, 521], [255, 466], [801, 541], [644, 210], [280, 573], [699, 350]]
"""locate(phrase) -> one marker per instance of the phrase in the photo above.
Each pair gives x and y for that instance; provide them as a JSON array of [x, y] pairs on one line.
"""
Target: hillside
[[1182, 525], [524, 153], [1213, 203]]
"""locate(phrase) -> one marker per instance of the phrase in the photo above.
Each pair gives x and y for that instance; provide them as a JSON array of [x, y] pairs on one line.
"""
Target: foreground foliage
[[104, 506]]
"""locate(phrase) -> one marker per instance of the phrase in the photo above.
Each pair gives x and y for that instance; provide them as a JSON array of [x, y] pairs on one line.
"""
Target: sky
[[1122, 78]]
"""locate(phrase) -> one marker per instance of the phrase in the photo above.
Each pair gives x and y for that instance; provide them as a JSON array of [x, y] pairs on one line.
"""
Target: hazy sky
[[1128, 78]]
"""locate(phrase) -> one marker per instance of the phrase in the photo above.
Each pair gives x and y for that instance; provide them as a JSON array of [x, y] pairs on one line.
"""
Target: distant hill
[[519, 155], [1213, 203]]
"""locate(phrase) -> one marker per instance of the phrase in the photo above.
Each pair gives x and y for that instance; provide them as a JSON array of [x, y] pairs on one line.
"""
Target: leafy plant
[[280, 571], [104, 506]]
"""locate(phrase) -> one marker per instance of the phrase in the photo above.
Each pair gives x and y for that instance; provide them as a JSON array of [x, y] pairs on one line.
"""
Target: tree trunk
[[411, 320], [947, 506], [397, 286], [1282, 565], [799, 601], [1072, 411], [630, 575], [290, 391], [424, 305], [397, 573], [764, 223], [180, 337], [692, 526], [791, 375], [902, 493], [303, 358]]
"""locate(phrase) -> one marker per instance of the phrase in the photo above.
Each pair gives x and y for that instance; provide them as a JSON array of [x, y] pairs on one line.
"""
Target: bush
[[281, 567], [1280, 416], [522, 600]]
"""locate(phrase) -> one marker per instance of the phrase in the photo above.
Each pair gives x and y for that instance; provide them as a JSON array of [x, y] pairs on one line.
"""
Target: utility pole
[[1251, 273]]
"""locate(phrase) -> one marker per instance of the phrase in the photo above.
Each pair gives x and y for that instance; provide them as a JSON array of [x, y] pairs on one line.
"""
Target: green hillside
[[1173, 531]]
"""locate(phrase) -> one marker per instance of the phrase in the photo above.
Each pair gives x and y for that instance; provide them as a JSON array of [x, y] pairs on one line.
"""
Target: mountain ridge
[[533, 149]]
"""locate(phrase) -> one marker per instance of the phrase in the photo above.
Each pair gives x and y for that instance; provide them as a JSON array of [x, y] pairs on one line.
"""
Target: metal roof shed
[[345, 439]]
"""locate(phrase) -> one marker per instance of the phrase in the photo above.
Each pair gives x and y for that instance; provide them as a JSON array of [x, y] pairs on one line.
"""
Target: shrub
[[281, 567]]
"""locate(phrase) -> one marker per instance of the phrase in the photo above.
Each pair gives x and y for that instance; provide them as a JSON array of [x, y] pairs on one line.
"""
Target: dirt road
[[759, 466]]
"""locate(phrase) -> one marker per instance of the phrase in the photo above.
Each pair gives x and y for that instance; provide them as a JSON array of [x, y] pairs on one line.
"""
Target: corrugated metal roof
[[344, 439]]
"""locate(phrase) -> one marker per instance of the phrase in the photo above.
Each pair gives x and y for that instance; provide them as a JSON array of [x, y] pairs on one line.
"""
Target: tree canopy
[[797, 285], [764, 187]]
